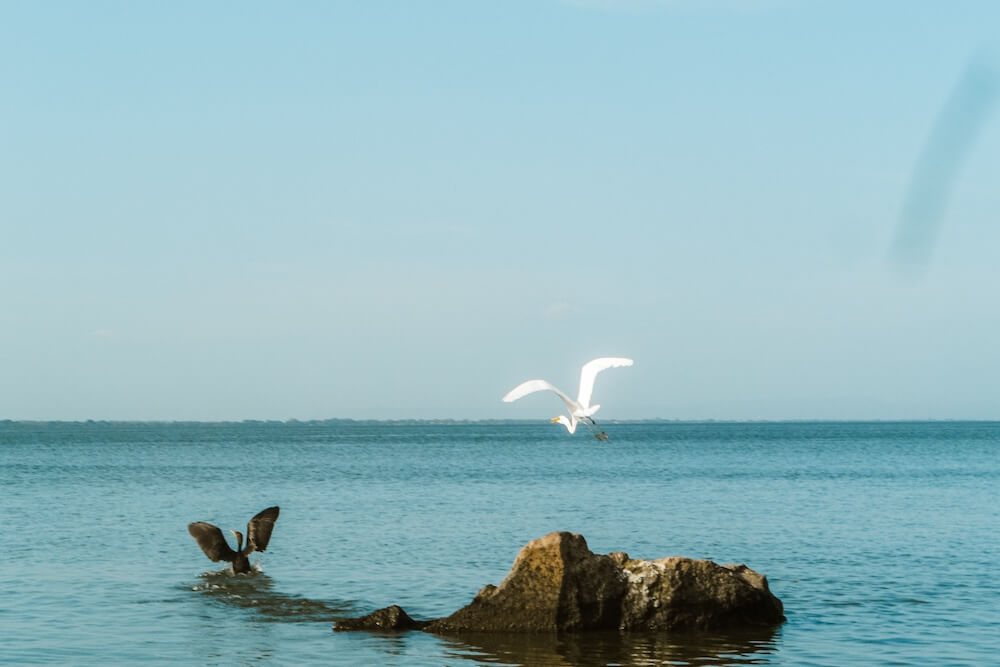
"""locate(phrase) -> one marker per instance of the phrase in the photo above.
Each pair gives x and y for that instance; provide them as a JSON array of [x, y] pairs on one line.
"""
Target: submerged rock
[[558, 585], [388, 618]]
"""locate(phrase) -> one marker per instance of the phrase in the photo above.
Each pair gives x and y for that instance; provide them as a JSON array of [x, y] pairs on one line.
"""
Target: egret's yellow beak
[[554, 420]]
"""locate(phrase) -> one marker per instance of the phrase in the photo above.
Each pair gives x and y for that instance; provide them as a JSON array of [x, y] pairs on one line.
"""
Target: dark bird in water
[[213, 543]]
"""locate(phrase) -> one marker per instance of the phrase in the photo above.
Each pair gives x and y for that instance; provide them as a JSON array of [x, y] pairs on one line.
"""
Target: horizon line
[[494, 421]]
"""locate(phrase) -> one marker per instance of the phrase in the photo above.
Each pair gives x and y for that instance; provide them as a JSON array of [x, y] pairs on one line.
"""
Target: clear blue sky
[[228, 210]]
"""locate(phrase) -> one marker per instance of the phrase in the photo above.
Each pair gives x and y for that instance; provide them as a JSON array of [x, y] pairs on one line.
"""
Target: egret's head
[[568, 422]]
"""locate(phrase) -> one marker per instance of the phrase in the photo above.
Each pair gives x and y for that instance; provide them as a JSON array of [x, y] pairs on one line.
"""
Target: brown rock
[[688, 594], [557, 584]]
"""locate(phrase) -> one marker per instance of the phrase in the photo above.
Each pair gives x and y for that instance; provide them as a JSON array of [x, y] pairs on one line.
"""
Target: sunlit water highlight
[[880, 538]]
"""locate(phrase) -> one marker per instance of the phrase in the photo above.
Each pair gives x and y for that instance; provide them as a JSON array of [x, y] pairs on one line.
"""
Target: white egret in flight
[[580, 410]]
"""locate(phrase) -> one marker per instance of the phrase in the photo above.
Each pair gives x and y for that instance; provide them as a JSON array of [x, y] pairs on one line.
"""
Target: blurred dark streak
[[951, 139], [256, 593]]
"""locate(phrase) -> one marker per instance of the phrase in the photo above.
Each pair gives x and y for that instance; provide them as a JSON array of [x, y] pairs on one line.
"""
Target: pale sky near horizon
[[239, 210]]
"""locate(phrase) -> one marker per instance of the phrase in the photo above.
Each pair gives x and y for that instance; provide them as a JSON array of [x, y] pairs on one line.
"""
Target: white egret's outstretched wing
[[531, 386], [590, 371]]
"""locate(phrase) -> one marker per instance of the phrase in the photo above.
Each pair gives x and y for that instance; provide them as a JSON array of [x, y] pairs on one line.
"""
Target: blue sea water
[[881, 539]]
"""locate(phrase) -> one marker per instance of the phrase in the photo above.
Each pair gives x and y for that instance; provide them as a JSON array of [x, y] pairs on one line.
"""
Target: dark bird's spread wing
[[212, 542], [259, 530]]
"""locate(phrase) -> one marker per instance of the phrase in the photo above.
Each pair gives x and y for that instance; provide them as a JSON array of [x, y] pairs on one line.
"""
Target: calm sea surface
[[881, 539]]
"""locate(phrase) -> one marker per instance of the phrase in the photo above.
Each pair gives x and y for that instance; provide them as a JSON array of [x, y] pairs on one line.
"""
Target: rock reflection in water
[[255, 592], [609, 648]]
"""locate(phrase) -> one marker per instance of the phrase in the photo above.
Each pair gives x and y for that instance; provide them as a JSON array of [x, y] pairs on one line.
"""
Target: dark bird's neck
[[241, 564]]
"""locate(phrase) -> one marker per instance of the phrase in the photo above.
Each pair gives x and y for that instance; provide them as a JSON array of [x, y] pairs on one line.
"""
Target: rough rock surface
[[387, 618], [558, 585], [687, 594]]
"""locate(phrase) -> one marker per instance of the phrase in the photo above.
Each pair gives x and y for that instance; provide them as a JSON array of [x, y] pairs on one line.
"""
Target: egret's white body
[[579, 409]]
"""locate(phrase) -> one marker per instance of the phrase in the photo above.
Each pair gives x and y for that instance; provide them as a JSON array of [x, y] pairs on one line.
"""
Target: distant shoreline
[[461, 422]]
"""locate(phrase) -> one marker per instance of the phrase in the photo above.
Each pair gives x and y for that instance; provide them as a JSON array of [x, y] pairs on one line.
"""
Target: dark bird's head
[[239, 539]]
